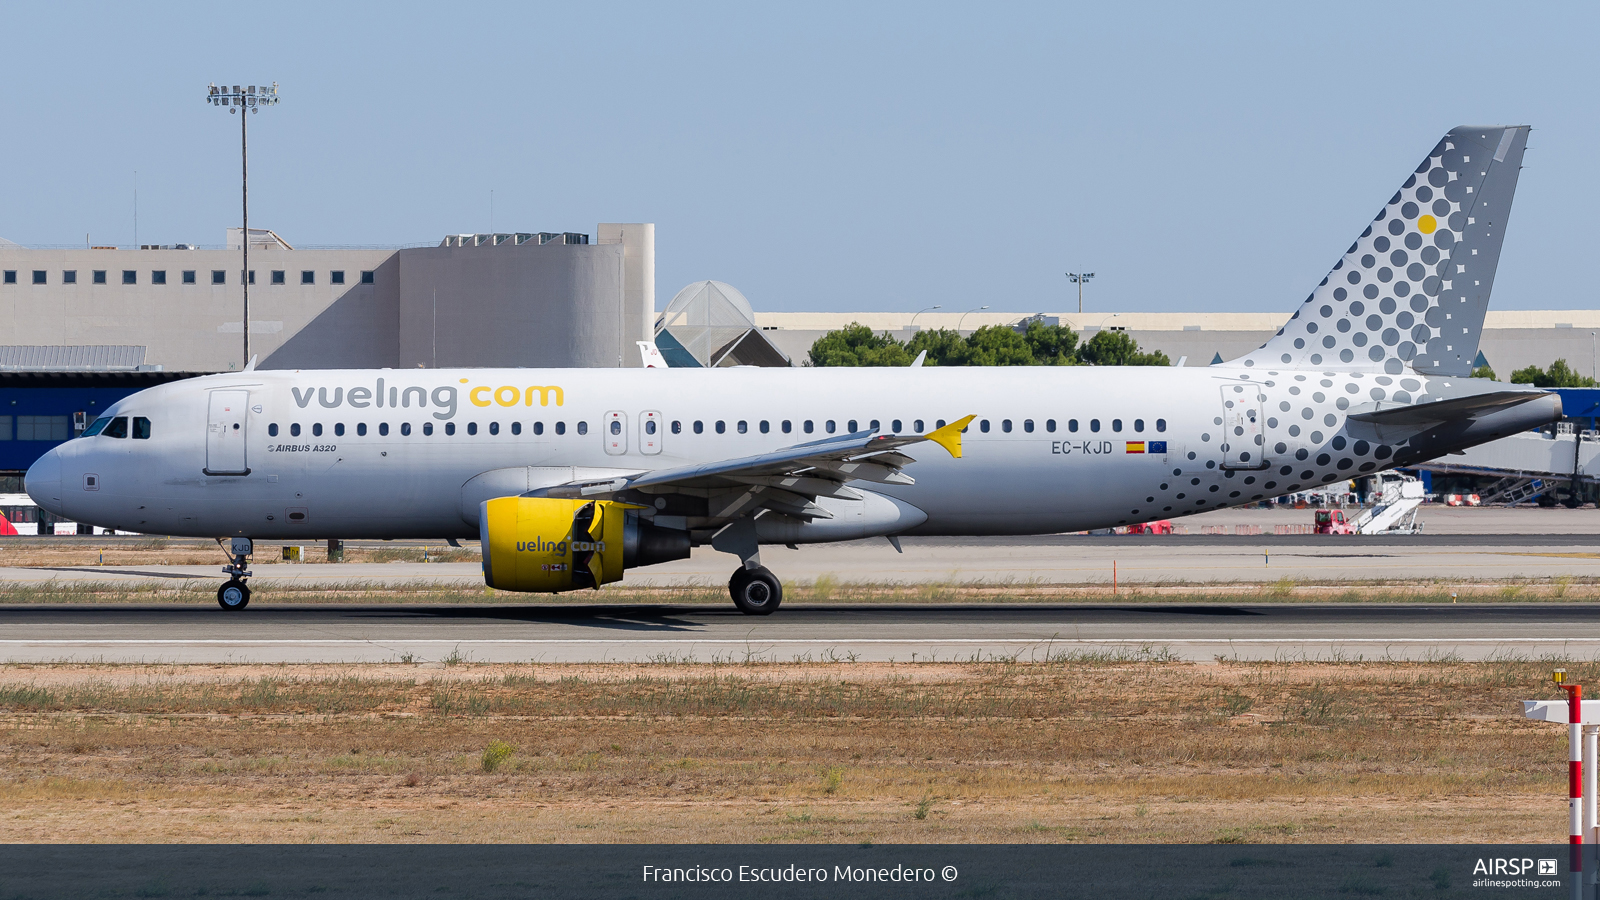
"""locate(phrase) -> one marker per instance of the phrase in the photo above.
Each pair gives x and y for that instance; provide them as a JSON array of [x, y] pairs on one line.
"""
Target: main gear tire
[[756, 592]]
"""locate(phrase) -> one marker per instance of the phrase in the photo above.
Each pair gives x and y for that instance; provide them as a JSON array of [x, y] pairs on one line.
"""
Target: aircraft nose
[[43, 481]]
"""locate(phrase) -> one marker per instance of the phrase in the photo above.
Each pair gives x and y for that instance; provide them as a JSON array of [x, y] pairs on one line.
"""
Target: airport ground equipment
[[1393, 512]]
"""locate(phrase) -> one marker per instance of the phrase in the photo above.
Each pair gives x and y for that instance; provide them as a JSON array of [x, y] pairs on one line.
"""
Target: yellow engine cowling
[[548, 545]]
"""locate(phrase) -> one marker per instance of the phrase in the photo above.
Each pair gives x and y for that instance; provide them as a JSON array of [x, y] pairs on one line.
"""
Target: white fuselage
[[1059, 452]]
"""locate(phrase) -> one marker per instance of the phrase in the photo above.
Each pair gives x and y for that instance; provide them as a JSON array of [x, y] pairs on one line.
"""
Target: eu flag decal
[[1156, 447], [1136, 446]]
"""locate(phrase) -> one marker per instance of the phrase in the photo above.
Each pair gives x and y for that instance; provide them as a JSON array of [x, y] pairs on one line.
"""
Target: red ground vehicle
[[1332, 521], [1161, 526]]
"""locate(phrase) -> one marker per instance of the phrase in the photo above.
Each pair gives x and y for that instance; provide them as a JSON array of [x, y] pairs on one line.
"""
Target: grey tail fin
[[1412, 291]]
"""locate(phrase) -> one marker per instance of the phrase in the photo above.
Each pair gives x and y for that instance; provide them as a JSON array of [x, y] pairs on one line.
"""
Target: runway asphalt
[[901, 633]]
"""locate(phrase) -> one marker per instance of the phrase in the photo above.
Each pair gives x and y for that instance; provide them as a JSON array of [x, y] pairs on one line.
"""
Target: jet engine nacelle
[[548, 545]]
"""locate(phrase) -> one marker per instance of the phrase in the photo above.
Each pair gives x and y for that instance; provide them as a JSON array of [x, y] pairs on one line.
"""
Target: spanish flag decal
[[1136, 446]]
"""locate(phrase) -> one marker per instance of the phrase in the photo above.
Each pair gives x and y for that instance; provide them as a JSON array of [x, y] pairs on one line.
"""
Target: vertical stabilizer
[[1412, 291]]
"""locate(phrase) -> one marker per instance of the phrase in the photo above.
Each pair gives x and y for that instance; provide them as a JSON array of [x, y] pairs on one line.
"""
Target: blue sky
[[816, 156]]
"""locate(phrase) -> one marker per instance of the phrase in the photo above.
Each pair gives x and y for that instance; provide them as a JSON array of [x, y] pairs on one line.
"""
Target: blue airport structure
[[40, 410]]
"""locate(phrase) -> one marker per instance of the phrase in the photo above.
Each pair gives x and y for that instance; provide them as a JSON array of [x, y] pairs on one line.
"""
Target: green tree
[[1116, 348], [998, 345], [1484, 372], [857, 345], [1052, 345], [945, 347], [1559, 375]]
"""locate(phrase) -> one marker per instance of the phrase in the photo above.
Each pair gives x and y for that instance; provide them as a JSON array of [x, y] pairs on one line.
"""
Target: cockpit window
[[118, 428], [95, 427], [141, 428]]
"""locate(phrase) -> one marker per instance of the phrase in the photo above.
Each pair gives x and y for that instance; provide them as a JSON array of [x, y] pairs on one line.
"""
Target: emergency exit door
[[226, 433]]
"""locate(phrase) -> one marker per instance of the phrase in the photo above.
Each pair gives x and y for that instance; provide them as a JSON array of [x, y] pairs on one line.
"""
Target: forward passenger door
[[227, 433]]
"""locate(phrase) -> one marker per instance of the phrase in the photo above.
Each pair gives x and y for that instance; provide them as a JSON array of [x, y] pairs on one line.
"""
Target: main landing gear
[[234, 594], [757, 592]]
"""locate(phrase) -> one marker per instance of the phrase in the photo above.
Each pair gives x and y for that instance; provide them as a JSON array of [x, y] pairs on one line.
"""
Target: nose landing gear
[[234, 594]]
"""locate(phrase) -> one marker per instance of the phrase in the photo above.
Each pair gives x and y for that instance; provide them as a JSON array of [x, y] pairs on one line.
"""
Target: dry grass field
[[1085, 750]]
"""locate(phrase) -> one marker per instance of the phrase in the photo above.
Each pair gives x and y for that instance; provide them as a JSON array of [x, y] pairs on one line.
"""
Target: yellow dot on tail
[[1427, 224]]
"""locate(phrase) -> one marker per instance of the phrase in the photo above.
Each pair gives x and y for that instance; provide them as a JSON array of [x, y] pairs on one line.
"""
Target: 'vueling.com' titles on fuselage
[[445, 398]]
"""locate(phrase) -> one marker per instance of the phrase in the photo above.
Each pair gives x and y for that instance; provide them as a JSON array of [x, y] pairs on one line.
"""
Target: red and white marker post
[[1575, 742]]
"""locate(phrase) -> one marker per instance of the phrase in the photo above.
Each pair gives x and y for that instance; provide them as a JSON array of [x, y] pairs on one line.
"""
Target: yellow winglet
[[949, 437]]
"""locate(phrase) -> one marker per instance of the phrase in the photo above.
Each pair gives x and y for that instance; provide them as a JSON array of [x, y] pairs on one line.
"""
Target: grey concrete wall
[[513, 305], [638, 242], [184, 327]]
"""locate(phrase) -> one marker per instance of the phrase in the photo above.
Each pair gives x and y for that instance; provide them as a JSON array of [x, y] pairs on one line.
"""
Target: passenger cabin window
[[383, 429], [118, 428], [1161, 424], [677, 427], [650, 426], [1050, 426], [583, 427], [1072, 425], [1116, 424], [874, 425], [699, 427], [338, 429], [538, 428], [316, 430], [361, 429], [852, 429], [561, 428], [1005, 425], [917, 426], [787, 426], [450, 428], [765, 426], [830, 427], [405, 429], [744, 427], [896, 426], [1138, 424], [983, 425], [472, 428], [1094, 425], [1027, 425], [427, 428], [294, 430], [272, 430], [722, 427], [616, 427], [808, 427]]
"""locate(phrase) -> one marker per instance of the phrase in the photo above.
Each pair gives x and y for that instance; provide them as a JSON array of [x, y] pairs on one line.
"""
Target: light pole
[[244, 101], [1078, 278], [920, 312], [968, 313]]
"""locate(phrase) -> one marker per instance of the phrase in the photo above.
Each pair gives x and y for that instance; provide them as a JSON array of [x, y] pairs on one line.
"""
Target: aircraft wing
[[786, 480]]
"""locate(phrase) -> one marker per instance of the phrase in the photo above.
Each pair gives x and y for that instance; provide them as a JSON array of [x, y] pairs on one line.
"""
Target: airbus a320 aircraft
[[571, 476]]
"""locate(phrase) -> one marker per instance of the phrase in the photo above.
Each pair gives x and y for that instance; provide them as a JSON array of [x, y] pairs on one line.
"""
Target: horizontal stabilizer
[[1423, 414]]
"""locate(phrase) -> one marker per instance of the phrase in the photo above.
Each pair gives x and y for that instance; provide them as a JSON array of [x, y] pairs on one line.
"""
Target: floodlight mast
[[244, 101]]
